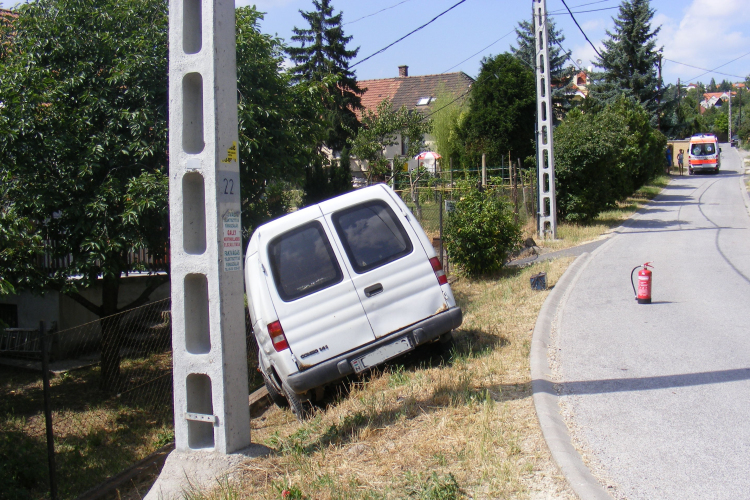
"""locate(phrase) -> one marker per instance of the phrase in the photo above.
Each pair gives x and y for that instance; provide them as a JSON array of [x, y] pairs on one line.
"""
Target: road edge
[[555, 432]]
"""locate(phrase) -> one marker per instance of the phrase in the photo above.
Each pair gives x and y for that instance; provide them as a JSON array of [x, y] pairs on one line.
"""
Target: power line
[[713, 70], [476, 53], [375, 13], [703, 69], [581, 29], [580, 11], [408, 34]]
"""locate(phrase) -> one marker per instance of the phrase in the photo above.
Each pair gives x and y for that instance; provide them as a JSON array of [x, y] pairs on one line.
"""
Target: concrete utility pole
[[211, 410], [544, 140], [730, 115]]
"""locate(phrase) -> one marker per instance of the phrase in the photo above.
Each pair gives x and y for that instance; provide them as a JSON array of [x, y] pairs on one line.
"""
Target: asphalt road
[[660, 393]]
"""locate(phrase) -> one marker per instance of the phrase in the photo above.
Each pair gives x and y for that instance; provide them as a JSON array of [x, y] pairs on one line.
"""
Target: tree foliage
[[602, 157], [381, 129], [281, 124], [501, 111], [446, 125], [322, 53], [480, 233], [83, 148], [629, 58], [562, 75], [82, 139]]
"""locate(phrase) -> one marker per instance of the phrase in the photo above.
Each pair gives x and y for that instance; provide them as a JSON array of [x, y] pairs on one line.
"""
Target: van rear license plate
[[382, 354]]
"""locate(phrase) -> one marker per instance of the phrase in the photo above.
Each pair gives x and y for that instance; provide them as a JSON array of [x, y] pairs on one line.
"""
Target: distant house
[[579, 86], [417, 93], [714, 99]]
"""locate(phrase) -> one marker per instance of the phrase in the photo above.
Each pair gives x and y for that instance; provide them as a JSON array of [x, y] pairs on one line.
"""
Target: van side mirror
[[719, 150]]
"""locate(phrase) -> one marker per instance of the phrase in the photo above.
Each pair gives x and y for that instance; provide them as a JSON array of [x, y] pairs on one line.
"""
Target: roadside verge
[[553, 427]]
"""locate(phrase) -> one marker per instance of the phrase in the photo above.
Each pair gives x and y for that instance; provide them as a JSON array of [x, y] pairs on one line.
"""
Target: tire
[[277, 398], [295, 403]]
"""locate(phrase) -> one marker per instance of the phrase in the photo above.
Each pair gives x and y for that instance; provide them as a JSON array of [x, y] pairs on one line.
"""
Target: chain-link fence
[[109, 401]]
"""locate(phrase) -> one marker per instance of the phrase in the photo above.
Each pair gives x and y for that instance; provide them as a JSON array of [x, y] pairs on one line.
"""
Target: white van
[[342, 286], [704, 154]]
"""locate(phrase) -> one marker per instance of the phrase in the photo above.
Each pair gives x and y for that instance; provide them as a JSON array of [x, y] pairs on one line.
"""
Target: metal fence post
[[48, 414], [440, 218]]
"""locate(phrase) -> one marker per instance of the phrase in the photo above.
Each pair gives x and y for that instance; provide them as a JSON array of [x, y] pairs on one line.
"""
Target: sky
[[704, 34]]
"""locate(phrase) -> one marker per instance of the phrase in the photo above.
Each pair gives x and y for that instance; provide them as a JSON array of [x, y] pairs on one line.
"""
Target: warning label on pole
[[232, 241]]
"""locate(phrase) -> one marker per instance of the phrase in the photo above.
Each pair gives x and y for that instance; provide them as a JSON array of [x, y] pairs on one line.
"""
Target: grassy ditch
[[457, 423]]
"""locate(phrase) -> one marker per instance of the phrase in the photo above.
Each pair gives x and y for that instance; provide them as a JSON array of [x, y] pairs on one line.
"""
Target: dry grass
[[455, 425]]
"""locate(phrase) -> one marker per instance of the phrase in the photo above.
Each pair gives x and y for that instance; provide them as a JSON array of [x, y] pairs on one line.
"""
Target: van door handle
[[373, 289]]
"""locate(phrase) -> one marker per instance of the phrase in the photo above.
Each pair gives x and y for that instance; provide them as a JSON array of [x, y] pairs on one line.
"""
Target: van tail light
[[439, 273], [277, 336]]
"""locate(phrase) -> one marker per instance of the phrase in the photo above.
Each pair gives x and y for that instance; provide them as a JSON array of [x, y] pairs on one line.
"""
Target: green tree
[[562, 81], [82, 148], [381, 129], [322, 53], [280, 124], [501, 111], [629, 58], [446, 125], [603, 156]]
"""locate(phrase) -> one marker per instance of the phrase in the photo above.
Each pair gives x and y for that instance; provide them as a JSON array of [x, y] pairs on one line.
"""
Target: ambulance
[[704, 154]]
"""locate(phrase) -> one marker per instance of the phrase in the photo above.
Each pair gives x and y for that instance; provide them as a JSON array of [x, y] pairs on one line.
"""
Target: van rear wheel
[[295, 403], [278, 398]]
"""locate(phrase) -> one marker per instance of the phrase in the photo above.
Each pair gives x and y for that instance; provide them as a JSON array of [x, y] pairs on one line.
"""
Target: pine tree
[[629, 58], [322, 53], [526, 51], [562, 76]]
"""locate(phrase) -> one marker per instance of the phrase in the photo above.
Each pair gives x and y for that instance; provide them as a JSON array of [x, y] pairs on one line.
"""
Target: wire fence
[[431, 198], [101, 416]]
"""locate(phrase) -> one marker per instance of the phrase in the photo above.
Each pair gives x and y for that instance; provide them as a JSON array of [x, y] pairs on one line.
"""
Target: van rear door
[[390, 270], [312, 292]]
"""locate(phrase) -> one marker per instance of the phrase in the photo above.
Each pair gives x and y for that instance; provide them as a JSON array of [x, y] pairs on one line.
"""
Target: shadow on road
[[641, 384]]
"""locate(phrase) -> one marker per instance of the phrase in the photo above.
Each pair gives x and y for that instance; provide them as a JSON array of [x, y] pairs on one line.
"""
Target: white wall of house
[[56, 309]]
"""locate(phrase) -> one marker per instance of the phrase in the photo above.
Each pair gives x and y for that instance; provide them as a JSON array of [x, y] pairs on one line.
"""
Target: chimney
[[403, 71]]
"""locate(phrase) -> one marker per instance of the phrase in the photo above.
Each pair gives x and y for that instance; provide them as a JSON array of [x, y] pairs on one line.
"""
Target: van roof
[[700, 139]]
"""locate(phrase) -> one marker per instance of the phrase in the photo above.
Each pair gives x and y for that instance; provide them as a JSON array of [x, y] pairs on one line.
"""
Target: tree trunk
[[110, 363]]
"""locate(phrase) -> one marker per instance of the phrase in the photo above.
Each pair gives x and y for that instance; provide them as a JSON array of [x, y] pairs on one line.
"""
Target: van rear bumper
[[340, 366]]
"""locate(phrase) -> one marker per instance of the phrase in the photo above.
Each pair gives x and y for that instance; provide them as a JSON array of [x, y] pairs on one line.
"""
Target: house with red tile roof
[[418, 94], [711, 99]]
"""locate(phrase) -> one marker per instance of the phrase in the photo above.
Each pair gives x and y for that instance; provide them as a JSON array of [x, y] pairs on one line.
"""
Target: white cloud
[[710, 33]]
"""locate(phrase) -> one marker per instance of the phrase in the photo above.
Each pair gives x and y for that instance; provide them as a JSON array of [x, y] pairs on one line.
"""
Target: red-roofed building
[[417, 93]]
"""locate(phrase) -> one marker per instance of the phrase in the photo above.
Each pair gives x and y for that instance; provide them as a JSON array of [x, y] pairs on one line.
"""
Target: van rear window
[[303, 262], [372, 235], [703, 149]]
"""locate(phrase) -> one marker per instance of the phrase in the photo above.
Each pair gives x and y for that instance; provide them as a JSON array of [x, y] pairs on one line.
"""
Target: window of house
[[424, 101]]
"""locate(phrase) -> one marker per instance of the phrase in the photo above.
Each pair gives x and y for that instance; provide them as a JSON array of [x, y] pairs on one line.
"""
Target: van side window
[[303, 262], [372, 235]]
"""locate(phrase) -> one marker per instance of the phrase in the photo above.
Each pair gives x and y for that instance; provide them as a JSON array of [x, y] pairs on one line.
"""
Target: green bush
[[480, 233], [603, 156]]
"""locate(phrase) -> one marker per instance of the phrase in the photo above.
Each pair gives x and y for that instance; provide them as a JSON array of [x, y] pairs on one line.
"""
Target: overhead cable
[[717, 67], [581, 29], [375, 13], [476, 53], [408, 34]]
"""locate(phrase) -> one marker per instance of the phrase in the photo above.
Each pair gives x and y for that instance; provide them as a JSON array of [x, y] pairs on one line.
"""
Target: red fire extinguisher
[[643, 295]]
